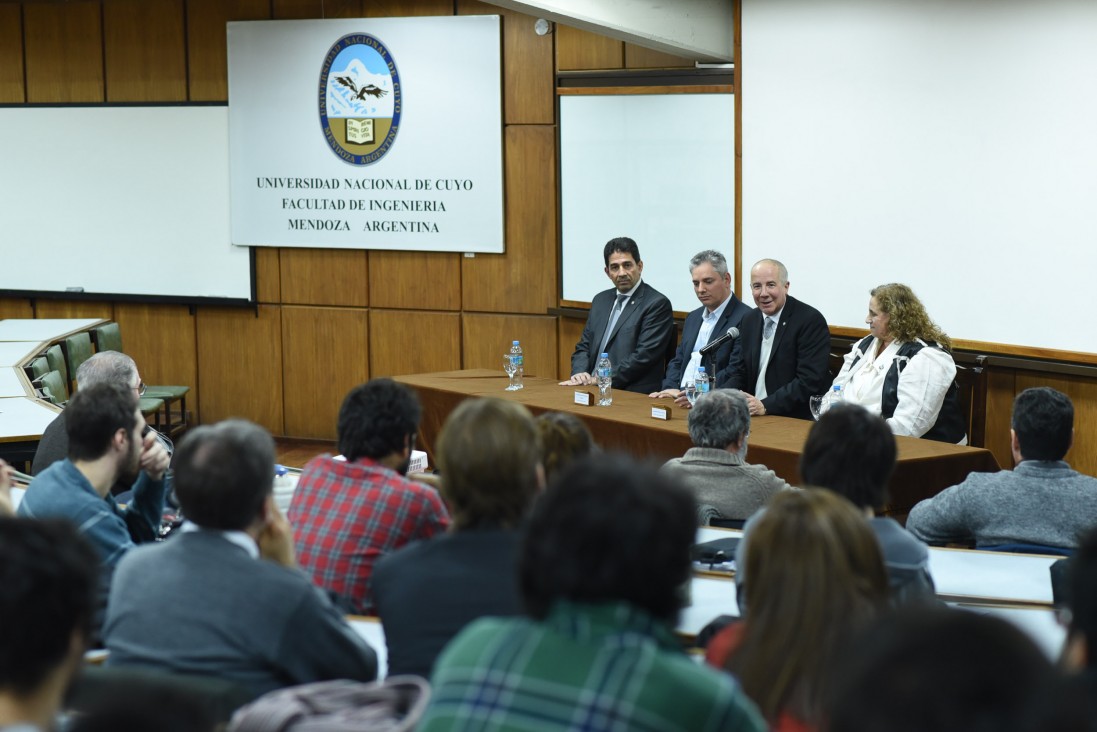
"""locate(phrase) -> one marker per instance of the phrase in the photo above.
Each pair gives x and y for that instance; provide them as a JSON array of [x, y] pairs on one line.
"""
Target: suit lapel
[[782, 325], [631, 308]]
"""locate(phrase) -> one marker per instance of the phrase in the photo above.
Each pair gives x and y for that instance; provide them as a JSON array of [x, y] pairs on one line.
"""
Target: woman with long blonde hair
[[903, 369]]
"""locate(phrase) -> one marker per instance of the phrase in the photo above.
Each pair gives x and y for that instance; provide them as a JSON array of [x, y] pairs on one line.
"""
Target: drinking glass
[[818, 405], [691, 392], [511, 369]]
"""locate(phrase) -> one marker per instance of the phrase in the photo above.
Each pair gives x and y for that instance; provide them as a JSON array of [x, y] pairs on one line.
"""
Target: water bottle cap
[[700, 369], [514, 343], [605, 355], [837, 387]]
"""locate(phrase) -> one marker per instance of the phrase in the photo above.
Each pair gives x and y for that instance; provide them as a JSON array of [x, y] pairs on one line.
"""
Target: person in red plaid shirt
[[347, 514]]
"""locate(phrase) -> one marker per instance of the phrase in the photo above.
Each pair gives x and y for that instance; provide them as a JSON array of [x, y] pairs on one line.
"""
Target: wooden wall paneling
[[487, 337], [207, 51], [406, 8], [579, 50], [145, 50], [570, 330], [1001, 388], [344, 8], [297, 9], [638, 57], [64, 43], [73, 309], [529, 77], [415, 280], [325, 353], [240, 365], [325, 277], [268, 274], [12, 87], [162, 340], [11, 307], [524, 279], [1083, 393], [413, 342]]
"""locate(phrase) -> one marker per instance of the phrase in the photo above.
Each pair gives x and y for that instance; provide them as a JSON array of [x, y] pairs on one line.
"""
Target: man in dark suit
[[632, 322], [784, 347], [719, 310]]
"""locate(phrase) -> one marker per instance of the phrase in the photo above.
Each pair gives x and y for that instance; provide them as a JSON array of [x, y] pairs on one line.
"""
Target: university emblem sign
[[360, 99]]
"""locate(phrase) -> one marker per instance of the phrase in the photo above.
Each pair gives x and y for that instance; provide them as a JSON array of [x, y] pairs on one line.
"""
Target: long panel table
[[925, 467]]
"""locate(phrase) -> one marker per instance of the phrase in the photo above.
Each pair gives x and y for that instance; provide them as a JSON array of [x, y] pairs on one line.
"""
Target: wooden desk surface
[[925, 467]]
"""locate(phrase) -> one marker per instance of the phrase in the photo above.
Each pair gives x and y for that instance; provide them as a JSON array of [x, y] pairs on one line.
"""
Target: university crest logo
[[360, 99]]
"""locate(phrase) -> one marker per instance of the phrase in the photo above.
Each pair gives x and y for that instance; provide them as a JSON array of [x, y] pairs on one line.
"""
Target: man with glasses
[[108, 440], [105, 367]]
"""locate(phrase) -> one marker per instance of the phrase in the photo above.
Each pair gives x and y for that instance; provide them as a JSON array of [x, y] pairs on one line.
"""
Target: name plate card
[[584, 398], [662, 413]]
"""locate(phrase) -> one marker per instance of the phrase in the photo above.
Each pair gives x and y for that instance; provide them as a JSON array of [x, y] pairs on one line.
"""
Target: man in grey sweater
[[722, 483], [1041, 501], [224, 598]]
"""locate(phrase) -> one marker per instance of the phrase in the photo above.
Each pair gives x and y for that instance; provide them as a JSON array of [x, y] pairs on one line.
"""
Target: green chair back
[[77, 350], [55, 358], [37, 368], [54, 388], [108, 338]]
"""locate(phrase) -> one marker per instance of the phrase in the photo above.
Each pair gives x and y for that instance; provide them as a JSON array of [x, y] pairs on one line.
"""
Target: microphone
[[731, 335]]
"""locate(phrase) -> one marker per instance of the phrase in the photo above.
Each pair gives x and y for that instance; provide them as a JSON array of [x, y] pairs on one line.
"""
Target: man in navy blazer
[[639, 321], [783, 349], [719, 310]]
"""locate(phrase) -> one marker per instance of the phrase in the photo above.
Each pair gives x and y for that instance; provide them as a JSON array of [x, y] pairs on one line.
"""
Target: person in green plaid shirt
[[602, 567]]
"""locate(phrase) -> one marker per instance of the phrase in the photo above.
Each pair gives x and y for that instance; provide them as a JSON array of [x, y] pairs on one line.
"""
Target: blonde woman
[[903, 370]]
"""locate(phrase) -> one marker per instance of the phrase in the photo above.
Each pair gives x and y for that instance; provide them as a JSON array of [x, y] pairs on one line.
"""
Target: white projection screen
[[947, 144], [659, 168], [119, 202]]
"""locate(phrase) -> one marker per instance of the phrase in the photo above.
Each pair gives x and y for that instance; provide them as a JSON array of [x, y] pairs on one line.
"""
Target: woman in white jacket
[[903, 370]]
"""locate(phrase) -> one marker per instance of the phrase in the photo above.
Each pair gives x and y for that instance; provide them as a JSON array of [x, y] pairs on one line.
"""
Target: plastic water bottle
[[701, 382], [516, 362], [603, 372], [836, 396]]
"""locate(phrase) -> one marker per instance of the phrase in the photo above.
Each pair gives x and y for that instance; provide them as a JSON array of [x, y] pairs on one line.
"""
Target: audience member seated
[[223, 598], [490, 460], [564, 439], [903, 370], [603, 566], [852, 453], [1041, 501], [105, 367], [107, 442], [810, 573], [944, 670], [348, 514], [724, 486], [48, 574]]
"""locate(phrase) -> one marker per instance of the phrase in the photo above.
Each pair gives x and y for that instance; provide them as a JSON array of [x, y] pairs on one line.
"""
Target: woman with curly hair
[[903, 370]]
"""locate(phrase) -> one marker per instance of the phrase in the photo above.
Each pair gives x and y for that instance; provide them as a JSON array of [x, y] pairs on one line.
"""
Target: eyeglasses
[[141, 388]]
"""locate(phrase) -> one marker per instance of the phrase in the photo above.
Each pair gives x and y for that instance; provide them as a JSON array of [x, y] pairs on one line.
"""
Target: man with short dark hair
[[602, 570], [489, 456], [349, 513], [1041, 501], [48, 575], [224, 598], [632, 322], [108, 442], [715, 470], [720, 310], [852, 452], [784, 347]]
